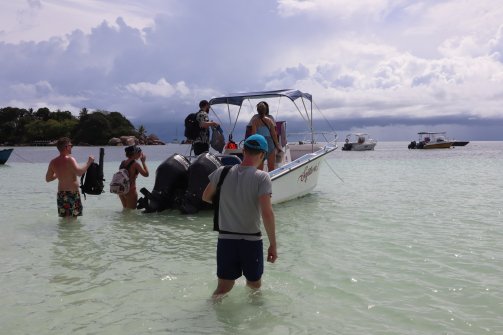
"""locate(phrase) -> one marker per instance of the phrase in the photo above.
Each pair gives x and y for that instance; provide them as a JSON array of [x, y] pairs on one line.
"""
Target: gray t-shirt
[[239, 200]]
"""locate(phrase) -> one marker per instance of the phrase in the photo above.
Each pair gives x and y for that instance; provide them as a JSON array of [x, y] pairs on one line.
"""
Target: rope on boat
[[330, 167], [18, 155], [326, 120]]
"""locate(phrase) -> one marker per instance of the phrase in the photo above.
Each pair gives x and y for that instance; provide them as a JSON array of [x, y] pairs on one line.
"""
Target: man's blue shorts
[[240, 257]]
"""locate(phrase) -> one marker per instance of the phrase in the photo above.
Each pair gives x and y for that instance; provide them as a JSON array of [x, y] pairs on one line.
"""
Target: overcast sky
[[387, 67]]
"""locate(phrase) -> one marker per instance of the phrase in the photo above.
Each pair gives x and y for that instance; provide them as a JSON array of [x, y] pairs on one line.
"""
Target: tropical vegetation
[[26, 126]]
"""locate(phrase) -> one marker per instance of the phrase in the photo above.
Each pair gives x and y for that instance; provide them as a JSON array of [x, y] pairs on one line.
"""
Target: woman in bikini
[[263, 125], [134, 168]]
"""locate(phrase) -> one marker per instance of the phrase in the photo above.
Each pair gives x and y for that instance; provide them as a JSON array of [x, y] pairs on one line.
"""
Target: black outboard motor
[[171, 180], [347, 146], [412, 145], [199, 171]]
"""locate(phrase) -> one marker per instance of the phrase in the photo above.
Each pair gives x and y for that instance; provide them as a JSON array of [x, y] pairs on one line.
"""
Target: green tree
[[43, 113], [94, 130], [61, 116], [83, 113], [120, 125], [9, 122]]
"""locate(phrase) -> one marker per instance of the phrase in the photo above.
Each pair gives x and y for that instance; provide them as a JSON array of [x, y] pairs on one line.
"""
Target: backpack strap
[[216, 197], [122, 166], [82, 184]]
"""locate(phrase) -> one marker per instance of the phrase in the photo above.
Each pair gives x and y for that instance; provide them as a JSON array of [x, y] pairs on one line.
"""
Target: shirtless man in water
[[65, 169]]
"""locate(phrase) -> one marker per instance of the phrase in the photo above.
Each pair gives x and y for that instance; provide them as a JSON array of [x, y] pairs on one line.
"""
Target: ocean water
[[392, 241]]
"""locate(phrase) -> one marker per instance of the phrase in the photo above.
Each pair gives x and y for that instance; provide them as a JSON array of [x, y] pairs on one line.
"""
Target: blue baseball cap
[[256, 142]]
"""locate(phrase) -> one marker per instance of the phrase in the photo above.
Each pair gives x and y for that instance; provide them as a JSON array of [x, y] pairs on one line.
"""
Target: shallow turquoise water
[[408, 243]]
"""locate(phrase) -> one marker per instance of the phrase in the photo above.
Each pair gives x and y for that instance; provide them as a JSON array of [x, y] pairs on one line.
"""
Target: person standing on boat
[[245, 195], [202, 142], [266, 113], [264, 126], [65, 169], [133, 153]]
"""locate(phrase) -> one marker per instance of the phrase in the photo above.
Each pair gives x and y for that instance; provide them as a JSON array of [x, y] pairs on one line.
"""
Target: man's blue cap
[[257, 142]]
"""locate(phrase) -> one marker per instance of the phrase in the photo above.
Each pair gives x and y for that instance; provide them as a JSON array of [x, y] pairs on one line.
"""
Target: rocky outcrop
[[132, 140], [115, 141], [153, 140]]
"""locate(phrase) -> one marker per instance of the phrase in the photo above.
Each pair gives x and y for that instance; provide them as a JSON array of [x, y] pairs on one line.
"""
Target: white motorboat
[[296, 173], [359, 142]]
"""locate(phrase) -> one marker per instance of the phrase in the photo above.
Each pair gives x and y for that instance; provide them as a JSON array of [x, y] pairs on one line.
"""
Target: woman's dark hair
[[262, 108], [267, 108]]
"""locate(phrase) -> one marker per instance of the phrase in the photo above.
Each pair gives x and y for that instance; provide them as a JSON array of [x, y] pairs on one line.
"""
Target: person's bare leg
[[255, 285], [271, 161], [123, 200], [223, 287], [132, 199]]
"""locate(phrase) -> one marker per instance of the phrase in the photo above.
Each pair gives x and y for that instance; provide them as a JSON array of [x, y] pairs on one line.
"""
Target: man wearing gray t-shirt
[[245, 195]]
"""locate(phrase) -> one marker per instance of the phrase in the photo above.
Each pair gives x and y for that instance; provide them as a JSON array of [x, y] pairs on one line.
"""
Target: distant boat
[[4, 155], [175, 140], [431, 140], [359, 142]]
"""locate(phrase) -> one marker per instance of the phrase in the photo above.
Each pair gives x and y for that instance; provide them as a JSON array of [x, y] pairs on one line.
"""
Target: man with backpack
[[201, 142], [243, 195], [65, 169]]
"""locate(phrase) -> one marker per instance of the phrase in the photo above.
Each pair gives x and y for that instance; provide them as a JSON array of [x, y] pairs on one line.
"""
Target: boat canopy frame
[[237, 99]]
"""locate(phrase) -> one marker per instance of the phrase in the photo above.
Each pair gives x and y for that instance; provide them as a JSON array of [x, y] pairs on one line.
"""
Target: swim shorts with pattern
[[69, 203]]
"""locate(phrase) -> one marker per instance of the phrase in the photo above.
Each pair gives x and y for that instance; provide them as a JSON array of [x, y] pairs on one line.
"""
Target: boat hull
[[299, 177], [4, 155], [358, 147], [438, 145], [460, 143]]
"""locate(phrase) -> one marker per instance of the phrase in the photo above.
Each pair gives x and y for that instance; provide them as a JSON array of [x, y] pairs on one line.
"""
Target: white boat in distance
[[359, 142], [292, 178]]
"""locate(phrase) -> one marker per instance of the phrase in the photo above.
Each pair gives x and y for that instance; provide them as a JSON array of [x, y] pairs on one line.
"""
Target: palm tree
[[142, 134]]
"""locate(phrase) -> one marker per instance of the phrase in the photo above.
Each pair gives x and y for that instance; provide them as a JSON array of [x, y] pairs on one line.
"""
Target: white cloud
[[334, 8], [156, 59], [159, 89]]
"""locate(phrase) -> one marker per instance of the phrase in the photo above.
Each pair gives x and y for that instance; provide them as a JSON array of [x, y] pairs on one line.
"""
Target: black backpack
[[92, 180], [192, 128]]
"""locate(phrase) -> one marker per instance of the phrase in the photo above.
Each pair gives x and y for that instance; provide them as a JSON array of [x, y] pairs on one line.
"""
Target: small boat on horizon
[[4, 155], [358, 142], [431, 140]]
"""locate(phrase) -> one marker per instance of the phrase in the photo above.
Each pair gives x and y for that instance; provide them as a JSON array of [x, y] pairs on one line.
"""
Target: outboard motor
[[171, 180], [347, 146], [412, 145], [199, 171]]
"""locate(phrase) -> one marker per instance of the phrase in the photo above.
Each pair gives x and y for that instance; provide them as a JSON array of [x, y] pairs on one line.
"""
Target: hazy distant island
[[19, 126]]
